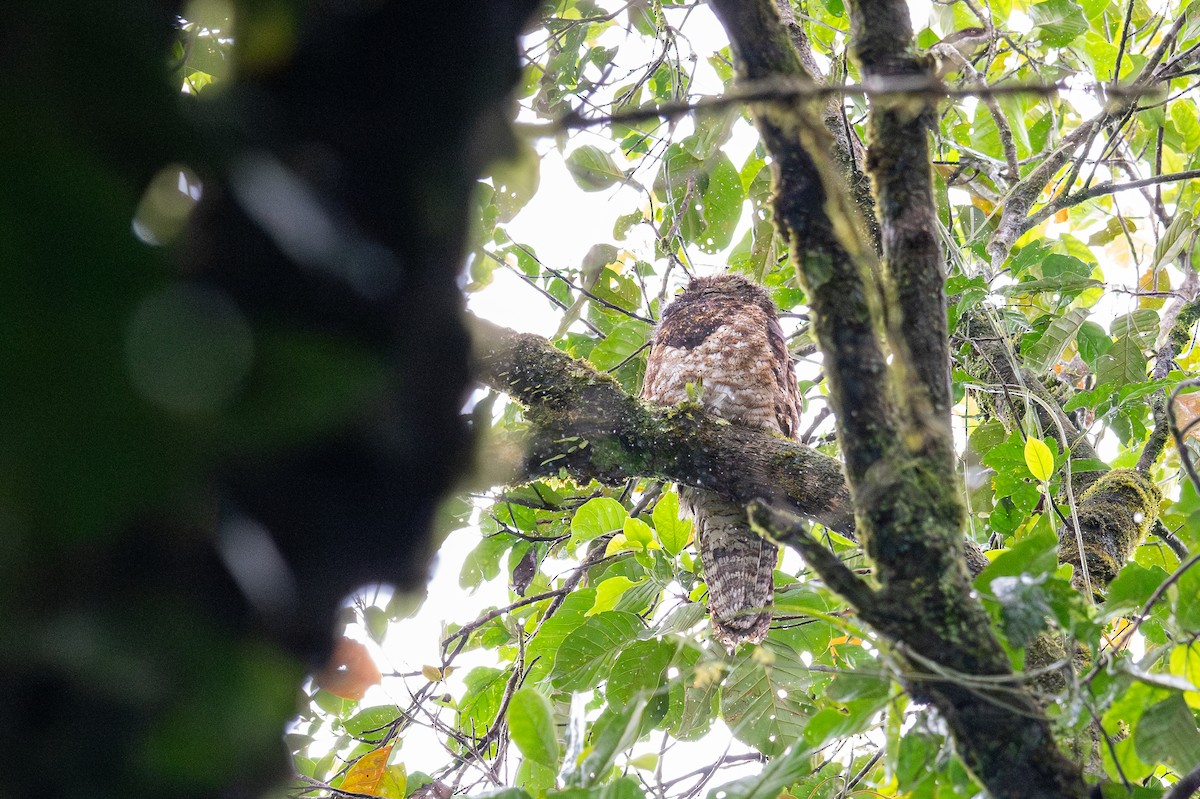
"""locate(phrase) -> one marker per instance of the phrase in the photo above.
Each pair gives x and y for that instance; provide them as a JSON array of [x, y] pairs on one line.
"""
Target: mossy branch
[[828, 241], [899, 165], [910, 513], [584, 423], [1115, 514]]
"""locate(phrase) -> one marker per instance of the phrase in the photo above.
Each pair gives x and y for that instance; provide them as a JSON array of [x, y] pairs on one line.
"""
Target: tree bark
[[898, 464], [583, 423]]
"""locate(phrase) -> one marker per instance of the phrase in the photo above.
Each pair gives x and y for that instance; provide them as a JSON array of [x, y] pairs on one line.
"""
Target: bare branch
[[1099, 190]]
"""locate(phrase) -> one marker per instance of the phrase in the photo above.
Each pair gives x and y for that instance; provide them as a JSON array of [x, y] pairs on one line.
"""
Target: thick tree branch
[[787, 528], [584, 423], [828, 243], [909, 508], [900, 171]]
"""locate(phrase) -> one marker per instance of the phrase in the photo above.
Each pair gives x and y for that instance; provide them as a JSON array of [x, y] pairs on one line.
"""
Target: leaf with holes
[[764, 701], [587, 653]]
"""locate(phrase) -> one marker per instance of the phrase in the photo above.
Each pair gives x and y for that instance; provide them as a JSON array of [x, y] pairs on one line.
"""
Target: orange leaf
[[350, 670], [1062, 216], [1150, 281], [983, 205], [1187, 411], [367, 772]]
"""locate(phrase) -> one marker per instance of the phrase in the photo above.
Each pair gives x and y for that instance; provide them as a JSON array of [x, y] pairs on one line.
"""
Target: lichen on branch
[[584, 424]]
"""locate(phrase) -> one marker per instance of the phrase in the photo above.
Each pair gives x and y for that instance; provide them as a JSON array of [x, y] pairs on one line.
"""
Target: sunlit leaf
[[1058, 21], [597, 517], [367, 772], [1167, 730], [1046, 351], [1038, 458], [673, 532]]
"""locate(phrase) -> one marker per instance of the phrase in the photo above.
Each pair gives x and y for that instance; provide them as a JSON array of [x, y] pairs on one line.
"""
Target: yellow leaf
[[1039, 458], [367, 772], [618, 543], [608, 592], [646, 762]]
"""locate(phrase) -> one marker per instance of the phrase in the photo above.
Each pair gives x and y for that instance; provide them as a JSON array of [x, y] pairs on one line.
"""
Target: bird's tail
[[739, 566]]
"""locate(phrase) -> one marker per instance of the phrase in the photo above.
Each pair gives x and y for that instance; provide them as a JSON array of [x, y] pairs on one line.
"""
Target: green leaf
[[673, 532], [534, 777], [776, 777], [1142, 324], [621, 343], [516, 180], [1039, 458], [554, 630], [597, 517], [639, 671], [531, 725], [1132, 588], [1093, 342], [480, 704], [1011, 478], [1123, 364], [608, 592], [692, 696], [614, 732], [638, 532], [682, 619], [593, 169], [1168, 730], [506, 793], [712, 131], [1046, 351], [372, 720], [764, 699], [1178, 234], [483, 562], [721, 204], [587, 653], [1187, 602], [1059, 21], [622, 788], [1034, 554]]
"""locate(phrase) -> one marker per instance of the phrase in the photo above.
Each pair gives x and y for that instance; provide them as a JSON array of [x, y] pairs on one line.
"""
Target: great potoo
[[719, 343]]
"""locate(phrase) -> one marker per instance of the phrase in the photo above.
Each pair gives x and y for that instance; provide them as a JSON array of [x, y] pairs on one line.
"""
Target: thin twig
[[786, 90]]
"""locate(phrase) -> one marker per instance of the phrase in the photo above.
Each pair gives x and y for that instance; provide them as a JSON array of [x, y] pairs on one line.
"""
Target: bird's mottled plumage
[[722, 336]]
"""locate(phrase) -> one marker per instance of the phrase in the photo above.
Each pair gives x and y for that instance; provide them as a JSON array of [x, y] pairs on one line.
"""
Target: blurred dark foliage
[[205, 446]]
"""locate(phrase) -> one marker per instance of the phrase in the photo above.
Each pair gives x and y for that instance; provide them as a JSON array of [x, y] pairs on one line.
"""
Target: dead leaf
[[350, 670]]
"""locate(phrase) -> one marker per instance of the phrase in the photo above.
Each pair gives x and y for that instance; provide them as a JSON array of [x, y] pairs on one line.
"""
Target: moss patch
[[1115, 514]]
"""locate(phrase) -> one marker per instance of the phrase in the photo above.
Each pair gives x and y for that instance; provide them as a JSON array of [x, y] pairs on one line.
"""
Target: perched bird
[[719, 343]]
